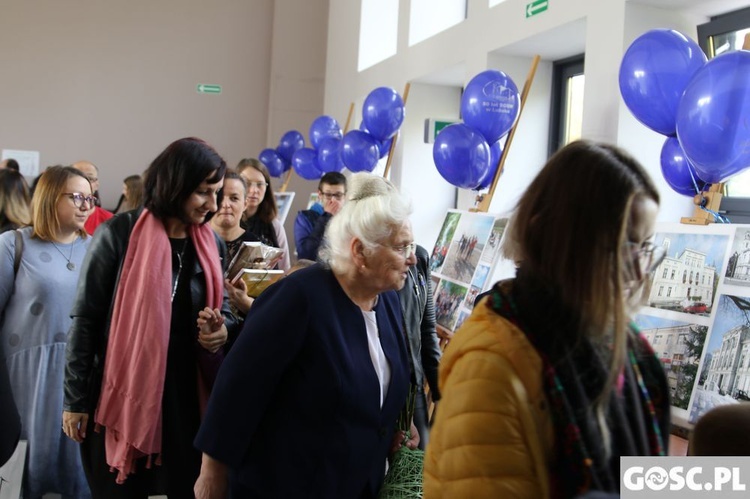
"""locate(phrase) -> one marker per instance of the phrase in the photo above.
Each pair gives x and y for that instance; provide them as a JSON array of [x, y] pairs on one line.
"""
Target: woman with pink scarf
[[148, 331]]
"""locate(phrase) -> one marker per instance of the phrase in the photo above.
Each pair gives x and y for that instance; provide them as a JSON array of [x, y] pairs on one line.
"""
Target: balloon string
[[692, 177], [717, 216]]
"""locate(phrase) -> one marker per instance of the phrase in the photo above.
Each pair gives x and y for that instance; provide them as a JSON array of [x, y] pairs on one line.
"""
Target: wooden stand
[[484, 200], [710, 200], [395, 137]]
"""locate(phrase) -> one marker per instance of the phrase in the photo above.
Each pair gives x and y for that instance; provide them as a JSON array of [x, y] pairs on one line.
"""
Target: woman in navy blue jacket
[[306, 403]]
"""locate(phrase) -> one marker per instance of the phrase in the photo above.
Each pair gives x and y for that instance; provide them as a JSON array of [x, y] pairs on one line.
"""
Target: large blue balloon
[[383, 112], [677, 170], [290, 142], [461, 155], [490, 104], [359, 151], [496, 150], [385, 146], [273, 162], [654, 72], [324, 127], [713, 119], [305, 163], [329, 157]]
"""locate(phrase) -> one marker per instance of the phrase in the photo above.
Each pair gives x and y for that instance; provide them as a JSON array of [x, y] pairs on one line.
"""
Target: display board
[[462, 261], [284, 203], [697, 316]]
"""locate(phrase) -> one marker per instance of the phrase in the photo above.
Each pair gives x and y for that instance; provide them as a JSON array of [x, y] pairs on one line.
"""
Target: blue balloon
[[305, 163], [273, 162], [461, 155], [290, 142], [324, 127], [677, 170], [359, 151], [491, 104], [383, 112], [385, 147], [496, 150], [713, 119], [329, 156], [654, 72]]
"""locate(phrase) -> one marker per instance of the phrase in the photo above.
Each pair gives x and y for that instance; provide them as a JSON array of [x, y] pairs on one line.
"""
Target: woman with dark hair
[[148, 331], [548, 383], [35, 303], [15, 201], [261, 211], [132, 194]]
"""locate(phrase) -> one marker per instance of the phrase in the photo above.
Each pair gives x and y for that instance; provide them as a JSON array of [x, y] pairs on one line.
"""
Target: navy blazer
[[295, 410]]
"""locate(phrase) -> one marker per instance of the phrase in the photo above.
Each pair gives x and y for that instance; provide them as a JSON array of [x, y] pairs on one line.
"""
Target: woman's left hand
[[212, 333]]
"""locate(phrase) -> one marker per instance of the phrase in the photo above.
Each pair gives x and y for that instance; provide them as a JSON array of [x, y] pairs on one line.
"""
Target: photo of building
[[738, 267]]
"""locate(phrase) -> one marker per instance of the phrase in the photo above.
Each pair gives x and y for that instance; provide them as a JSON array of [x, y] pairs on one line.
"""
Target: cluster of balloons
[[331, 150], [467, 154], [703, 107]]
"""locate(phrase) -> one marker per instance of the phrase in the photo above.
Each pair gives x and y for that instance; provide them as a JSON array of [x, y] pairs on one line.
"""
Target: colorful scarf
[[571, 376], [134, 371]]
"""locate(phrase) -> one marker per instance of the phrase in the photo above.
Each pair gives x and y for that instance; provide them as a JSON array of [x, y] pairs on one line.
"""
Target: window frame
[[562, 71]]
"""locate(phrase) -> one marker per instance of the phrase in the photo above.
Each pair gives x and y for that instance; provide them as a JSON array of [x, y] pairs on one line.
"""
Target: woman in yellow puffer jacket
[[548, 383]]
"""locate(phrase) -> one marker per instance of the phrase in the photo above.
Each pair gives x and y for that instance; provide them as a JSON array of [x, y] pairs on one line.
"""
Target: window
[[671, 277], [664, 274], [657, 339], [567, 102], [430, 17], [661, 290], [684, 276], [378, 32], [721, 34], [669, 291]]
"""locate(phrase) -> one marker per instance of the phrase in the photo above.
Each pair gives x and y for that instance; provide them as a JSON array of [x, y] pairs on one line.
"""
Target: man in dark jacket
[[310, 225], [418, 308]]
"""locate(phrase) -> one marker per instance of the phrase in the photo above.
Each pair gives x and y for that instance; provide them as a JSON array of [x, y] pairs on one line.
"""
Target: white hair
[[373, 211]]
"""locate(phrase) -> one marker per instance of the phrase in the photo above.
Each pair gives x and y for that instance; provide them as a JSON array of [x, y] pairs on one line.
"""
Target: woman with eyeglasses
[[150, 321], [306, 402], [261, 211], [35, 303], [548, 382]]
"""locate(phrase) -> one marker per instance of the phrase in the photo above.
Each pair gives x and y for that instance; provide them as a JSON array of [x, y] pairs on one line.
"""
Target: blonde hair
[[15, 199], [49, 189]]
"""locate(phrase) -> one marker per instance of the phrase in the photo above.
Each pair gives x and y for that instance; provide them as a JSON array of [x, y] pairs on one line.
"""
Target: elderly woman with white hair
[[306, 402]]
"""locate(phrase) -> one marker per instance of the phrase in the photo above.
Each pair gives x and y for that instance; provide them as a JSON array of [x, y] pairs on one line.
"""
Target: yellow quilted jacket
[[493, 434]]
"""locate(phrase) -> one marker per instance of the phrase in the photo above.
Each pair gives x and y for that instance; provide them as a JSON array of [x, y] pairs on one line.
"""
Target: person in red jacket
[[99, 214]]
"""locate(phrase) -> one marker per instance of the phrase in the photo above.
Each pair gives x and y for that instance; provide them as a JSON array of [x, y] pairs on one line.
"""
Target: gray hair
[[374, 209]]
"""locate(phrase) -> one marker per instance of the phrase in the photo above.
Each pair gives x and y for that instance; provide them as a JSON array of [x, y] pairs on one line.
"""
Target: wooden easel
[[484, 200], [395, 137]]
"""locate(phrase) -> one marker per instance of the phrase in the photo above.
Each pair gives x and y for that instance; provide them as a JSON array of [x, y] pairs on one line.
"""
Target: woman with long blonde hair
[[548, 383], [15, 201]]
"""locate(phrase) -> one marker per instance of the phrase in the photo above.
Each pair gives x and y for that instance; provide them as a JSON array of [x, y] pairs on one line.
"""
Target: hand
[[332, 205], [212, 333], [400, 440], [74, 425], [212, 481], [238, 295]]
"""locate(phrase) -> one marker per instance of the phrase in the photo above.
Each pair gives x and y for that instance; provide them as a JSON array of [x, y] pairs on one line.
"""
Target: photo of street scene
[[448, 297], [444, 240], [679, 346], [468, 242], [687, 278], [724, 376]]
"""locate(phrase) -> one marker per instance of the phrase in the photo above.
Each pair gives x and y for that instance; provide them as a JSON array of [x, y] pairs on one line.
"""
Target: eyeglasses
[[79, 198], [646, 255], [338, 196], [258, 185], [406, 250]]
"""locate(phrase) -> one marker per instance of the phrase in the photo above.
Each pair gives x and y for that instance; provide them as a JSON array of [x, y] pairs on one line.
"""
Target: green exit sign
[[536, 7], [432, 127], [202, 88]]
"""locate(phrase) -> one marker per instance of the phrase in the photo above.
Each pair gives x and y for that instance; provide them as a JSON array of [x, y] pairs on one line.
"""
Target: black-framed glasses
[[406, 250], [80, 198], [258, 185], [338, 196], [646, 255]]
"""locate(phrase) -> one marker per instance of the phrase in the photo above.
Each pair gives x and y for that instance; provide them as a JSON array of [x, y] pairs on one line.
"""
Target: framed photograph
[[284, 202], [312, 200]]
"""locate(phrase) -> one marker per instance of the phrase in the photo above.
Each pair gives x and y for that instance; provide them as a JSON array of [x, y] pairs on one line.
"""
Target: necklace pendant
[[71, 266]]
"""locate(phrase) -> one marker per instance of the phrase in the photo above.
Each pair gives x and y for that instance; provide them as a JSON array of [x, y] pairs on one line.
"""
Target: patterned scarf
[[638, 415]]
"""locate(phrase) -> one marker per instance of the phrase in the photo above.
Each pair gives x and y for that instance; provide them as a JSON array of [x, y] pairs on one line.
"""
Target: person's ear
[[358, 253]]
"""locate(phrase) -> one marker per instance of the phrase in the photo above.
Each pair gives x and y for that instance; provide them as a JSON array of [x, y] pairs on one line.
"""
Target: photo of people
[[444, 240], [448, 297], [471, 296], [469, 240], [687, 278], [724, 376], [491, 251]]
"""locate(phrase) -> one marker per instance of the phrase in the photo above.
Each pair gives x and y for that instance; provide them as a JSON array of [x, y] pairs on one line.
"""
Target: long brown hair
[[49, 189], [267, 209], [15, 199], [568, 229]]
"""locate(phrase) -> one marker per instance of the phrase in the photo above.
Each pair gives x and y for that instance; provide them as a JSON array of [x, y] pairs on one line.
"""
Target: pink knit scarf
[[134, 370]]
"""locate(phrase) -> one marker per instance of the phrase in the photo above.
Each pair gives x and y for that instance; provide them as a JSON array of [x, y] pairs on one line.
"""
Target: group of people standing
[[175, 383]]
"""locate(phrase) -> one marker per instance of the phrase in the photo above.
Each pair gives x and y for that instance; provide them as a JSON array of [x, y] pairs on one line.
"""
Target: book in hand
[[257, 280], [253, 255]]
